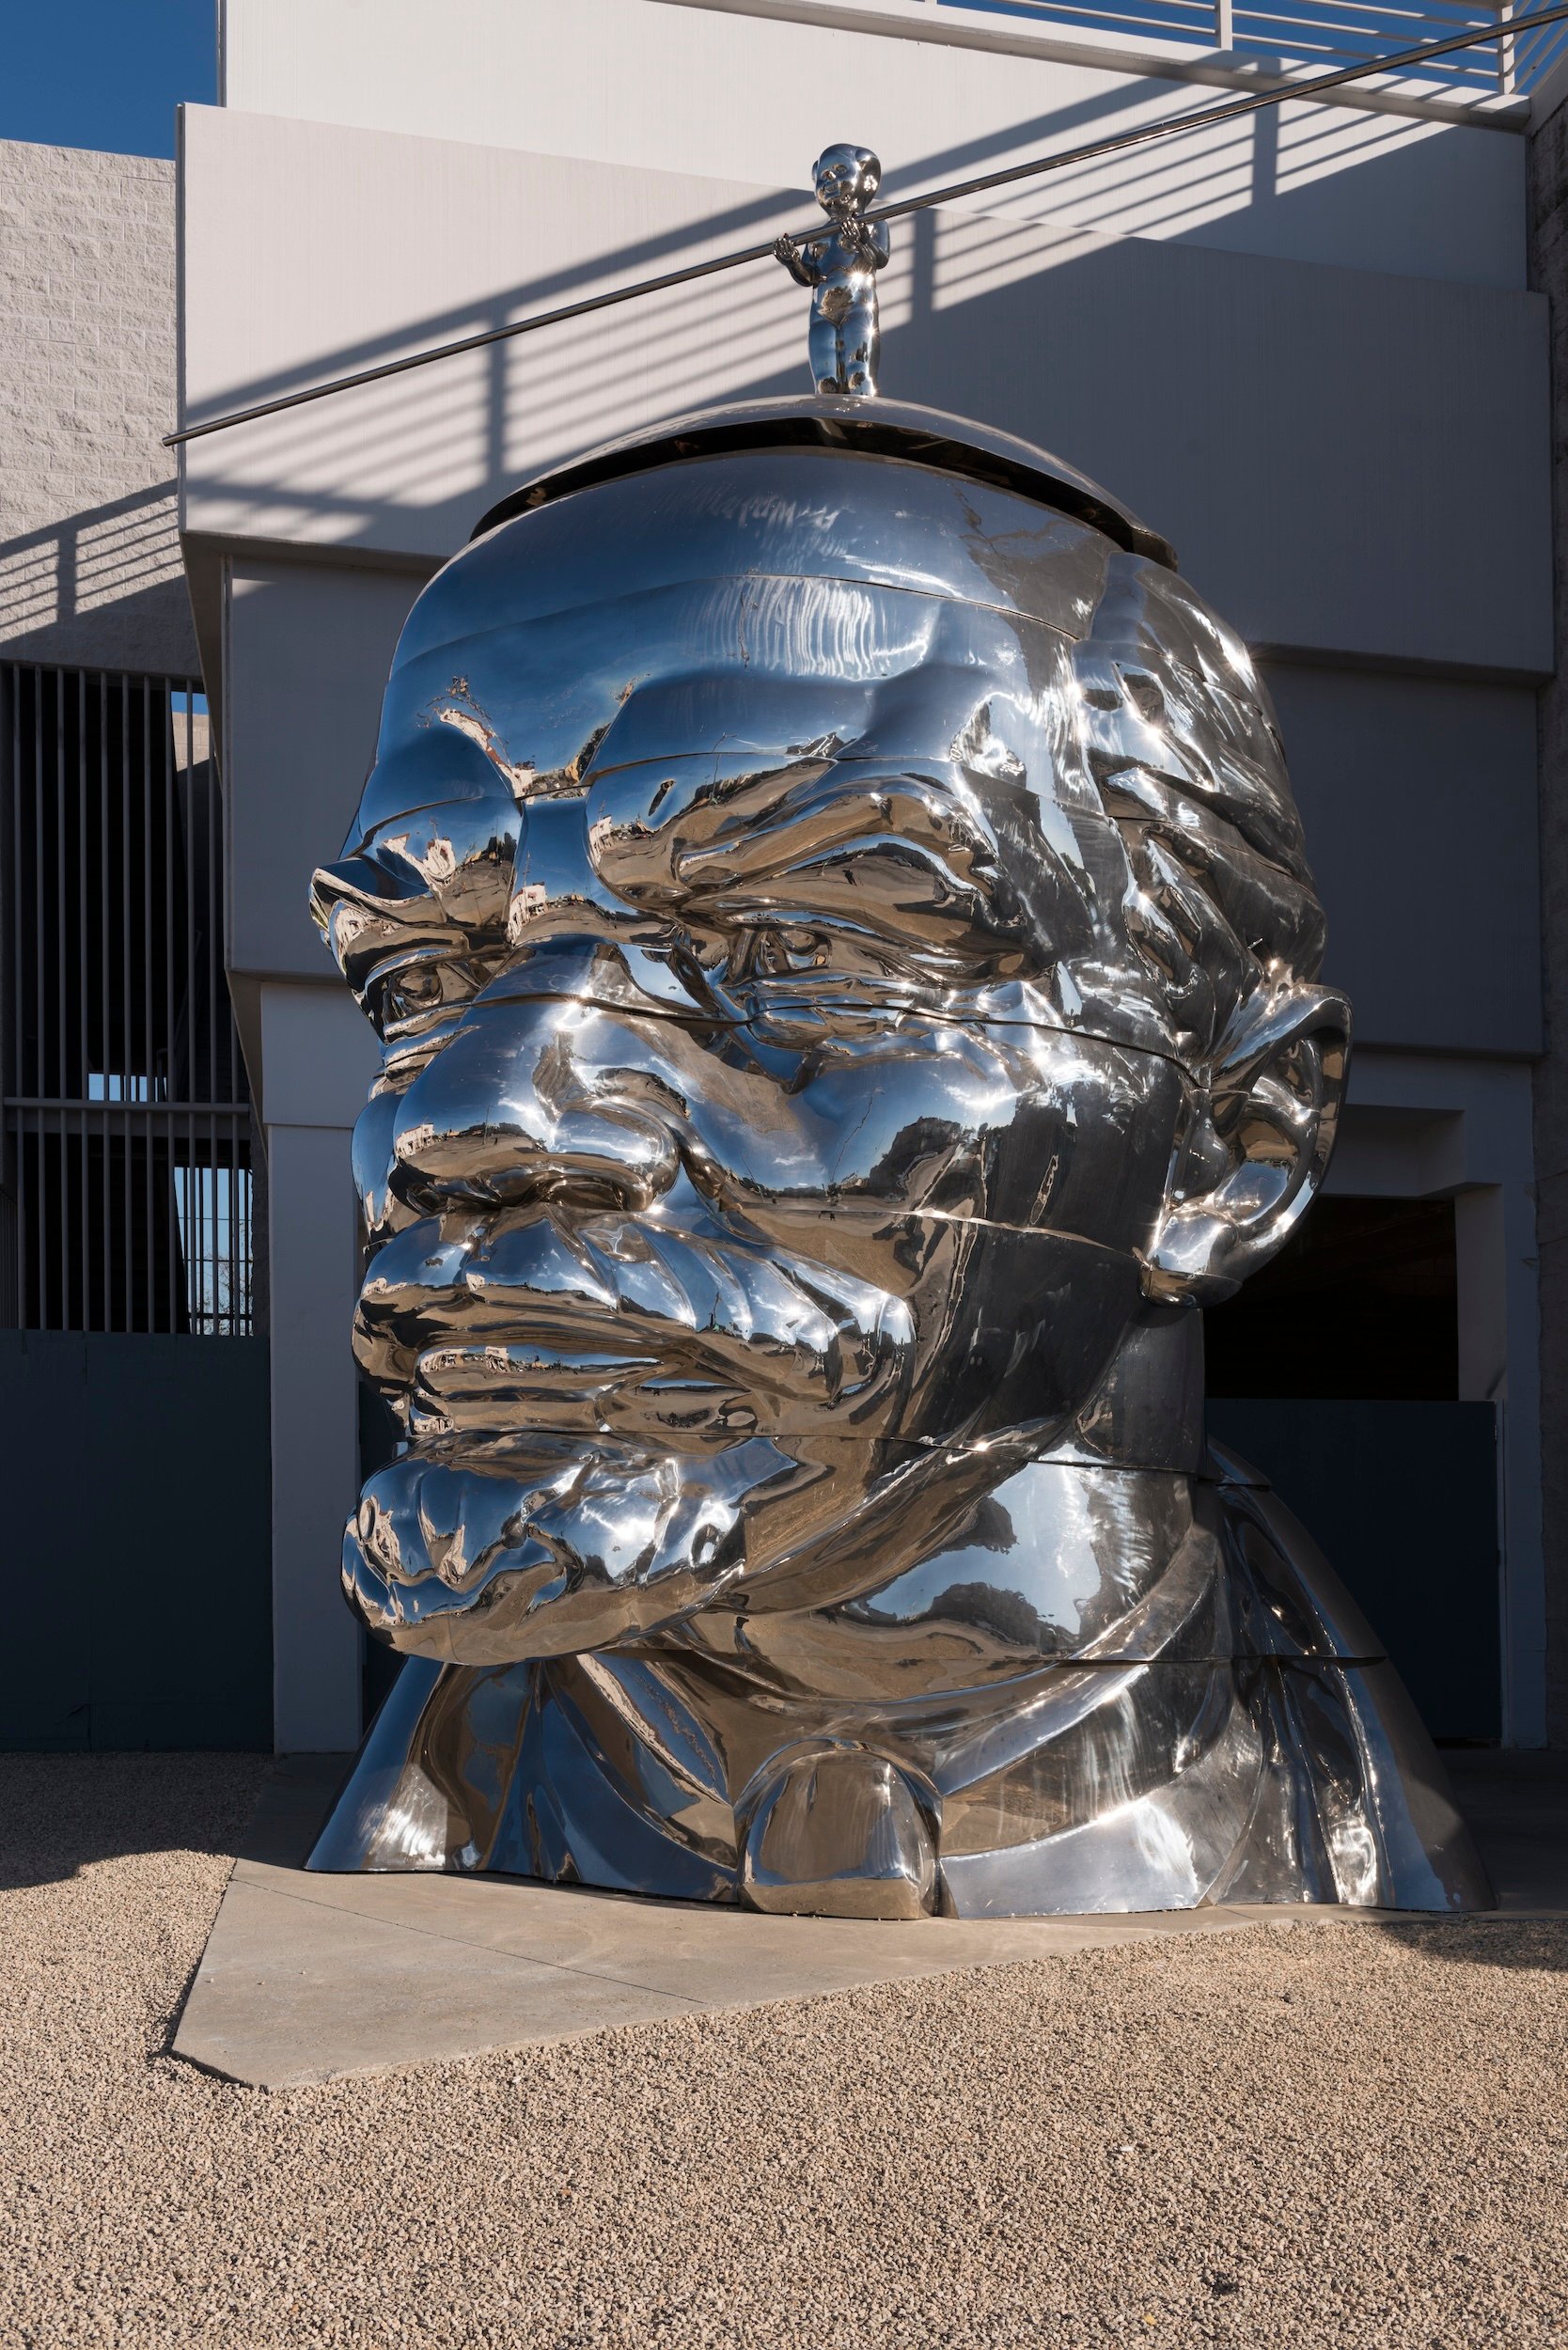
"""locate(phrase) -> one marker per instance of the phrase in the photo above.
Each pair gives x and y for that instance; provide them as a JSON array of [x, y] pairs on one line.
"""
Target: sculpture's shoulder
[[1287, 1599], [1336, 1716]]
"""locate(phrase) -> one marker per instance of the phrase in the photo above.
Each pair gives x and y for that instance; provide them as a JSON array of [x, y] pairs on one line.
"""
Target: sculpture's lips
[[584, 1390], [617, 1323]]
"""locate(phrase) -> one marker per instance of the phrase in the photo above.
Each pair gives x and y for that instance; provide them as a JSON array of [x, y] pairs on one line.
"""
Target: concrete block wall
[[90, 558]]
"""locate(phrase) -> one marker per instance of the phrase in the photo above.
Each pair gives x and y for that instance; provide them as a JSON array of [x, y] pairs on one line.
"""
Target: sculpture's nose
[[548, 1096]]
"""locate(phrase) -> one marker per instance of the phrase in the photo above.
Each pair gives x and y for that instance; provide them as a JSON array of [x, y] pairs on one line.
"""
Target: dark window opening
[[1336, 1372]]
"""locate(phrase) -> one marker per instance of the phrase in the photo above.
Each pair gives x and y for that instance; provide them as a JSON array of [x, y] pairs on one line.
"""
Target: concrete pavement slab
[[308, 1978]]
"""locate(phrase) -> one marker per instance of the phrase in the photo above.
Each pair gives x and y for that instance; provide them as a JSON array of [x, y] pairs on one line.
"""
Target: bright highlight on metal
[[1196, 119], [846, 965]]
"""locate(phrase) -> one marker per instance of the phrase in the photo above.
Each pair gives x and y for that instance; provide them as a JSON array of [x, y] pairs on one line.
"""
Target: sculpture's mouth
[[531, 1384], [622, 1326]]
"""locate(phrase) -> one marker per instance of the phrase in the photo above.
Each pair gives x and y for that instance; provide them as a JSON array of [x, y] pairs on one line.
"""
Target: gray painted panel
[[309, 651], [1419, 803], [135, 1570], [1402, 1500]]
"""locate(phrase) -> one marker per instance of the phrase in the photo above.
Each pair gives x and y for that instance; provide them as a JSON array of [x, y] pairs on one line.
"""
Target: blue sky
[[103, 73]]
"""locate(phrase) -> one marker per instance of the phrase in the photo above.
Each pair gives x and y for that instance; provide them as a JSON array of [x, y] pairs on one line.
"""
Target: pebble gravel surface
[[1318, 2135]]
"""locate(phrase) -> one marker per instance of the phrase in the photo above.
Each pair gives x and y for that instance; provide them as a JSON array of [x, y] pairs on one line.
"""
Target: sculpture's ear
[[1258, 1147]]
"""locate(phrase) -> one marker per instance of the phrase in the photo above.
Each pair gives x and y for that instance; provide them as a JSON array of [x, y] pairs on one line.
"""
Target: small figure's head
[[845, 956], [846, 179]]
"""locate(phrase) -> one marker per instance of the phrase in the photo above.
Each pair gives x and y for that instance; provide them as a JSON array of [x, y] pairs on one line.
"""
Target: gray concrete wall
[[1549, 268], [1419, 798], [89, 559], [306, 653]]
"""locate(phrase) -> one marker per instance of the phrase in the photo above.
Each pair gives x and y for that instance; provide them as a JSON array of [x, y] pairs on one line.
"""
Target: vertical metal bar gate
[[125, 1142]]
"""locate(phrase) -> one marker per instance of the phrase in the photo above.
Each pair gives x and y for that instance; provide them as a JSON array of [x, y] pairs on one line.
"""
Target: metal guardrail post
[[1225, 25], [1507, 63]]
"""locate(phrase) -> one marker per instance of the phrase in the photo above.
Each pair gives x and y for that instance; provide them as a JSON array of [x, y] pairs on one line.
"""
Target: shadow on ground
[[57, 1822], [1528, 1945]]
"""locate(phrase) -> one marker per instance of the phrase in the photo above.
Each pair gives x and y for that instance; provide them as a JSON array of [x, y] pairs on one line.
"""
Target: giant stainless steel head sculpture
[[835, 916]]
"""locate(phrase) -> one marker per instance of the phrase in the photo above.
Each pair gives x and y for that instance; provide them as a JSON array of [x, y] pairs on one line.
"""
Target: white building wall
[[1312, 439], [751, 95]]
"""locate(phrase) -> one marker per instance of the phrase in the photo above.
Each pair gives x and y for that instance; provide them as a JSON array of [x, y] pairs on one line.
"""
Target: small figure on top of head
[[840, 267]]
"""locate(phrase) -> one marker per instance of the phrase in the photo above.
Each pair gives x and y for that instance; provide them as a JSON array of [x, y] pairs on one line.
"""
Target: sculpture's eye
[[417, 998], [784, 952]]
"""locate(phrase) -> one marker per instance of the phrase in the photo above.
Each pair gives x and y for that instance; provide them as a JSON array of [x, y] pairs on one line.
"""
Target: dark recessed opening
[[1363, 1302]]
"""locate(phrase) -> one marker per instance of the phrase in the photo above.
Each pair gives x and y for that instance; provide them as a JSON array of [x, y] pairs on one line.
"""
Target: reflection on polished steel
[[840, 267], [840, 932]]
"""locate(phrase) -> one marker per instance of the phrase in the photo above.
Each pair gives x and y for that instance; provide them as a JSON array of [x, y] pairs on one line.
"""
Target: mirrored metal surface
[[846, 964]]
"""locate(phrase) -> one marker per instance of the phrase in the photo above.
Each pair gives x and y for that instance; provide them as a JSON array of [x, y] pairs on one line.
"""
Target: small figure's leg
[[823, 346], [862, 348]]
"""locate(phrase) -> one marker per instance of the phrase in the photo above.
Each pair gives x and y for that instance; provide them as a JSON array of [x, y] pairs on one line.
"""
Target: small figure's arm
[[874, 242], [794, 258]]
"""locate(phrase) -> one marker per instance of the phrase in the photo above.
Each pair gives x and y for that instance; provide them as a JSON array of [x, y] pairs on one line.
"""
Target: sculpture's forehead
[[816, 687], [750, 603], [815, 514]]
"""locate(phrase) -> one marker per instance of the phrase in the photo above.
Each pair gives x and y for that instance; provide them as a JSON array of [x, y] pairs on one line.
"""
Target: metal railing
[[125, 1170], [1311, 33]]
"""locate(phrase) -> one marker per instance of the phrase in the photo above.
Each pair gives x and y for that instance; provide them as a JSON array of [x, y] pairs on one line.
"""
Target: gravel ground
[[1312, 2135]]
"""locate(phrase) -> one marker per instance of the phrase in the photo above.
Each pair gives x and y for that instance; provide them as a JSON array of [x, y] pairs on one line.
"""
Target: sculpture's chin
[[548, 1546]]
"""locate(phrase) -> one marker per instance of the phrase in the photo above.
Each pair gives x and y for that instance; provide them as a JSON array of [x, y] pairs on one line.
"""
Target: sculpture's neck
[[1148, 1409]]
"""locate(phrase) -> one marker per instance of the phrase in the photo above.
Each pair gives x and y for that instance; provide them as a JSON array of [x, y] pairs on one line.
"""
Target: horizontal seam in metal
[[702, 579], [680, 1019]]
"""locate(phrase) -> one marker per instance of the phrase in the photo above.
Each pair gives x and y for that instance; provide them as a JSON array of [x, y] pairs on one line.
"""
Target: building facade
[[1307, 346]]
